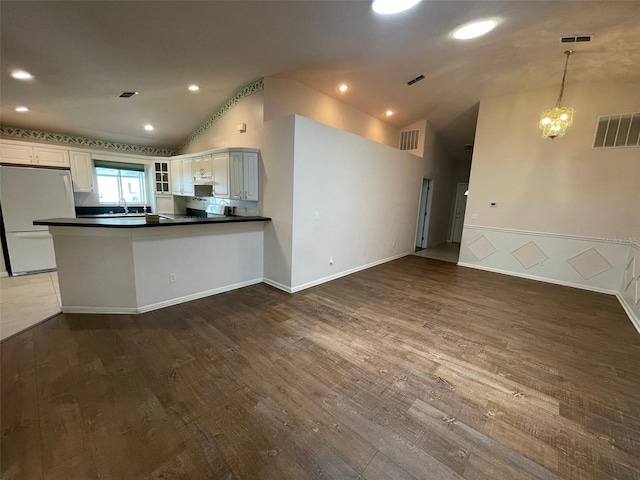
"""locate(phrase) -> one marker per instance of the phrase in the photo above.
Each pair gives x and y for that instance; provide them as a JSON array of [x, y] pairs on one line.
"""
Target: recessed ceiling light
[[389, 7], [388, 113], [343, 87], [194, 88], [475, 29], [148, 127], [21, 75], [22, 109]]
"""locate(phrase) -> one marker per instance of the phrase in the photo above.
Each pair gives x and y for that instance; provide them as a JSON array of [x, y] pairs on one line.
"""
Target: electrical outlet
[[316, 216], [172, 278], [474, 216], [330, 260]]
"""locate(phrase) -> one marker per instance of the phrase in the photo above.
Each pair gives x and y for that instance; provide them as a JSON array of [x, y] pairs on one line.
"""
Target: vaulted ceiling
[[84, 53]]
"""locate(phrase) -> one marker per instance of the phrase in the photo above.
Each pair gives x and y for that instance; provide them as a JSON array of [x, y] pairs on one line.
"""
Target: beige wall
[[562, 185], [566, 213], [438, 166], [277, 196], [286, 97], [223, 133]]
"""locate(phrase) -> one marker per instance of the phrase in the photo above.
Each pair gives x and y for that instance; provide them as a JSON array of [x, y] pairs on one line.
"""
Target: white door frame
[[424, 213], [456, 214]]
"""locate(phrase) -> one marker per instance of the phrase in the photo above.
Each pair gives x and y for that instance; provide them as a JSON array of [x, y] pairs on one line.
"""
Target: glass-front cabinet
[[161, 177]]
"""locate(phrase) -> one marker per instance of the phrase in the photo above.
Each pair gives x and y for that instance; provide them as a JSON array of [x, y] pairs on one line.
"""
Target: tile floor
[[26, 301], [448, 252]]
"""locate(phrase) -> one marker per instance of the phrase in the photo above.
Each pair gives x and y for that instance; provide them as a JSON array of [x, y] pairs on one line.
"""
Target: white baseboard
[[539, 279], [347, 272], [629, 311], [163, 304], [278, 285], [82, 309], [304, 286]]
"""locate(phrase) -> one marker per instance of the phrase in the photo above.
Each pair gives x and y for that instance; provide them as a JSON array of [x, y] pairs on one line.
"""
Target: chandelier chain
[[564, 76]]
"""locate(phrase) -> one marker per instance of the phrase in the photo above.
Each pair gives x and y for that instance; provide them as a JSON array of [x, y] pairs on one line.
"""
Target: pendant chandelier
[[554, 122]]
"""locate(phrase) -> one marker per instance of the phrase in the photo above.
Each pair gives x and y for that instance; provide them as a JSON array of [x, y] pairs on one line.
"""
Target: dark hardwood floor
[[412, 369]]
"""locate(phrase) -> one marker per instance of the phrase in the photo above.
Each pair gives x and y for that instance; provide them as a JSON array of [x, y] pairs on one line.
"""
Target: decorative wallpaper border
[[27, 134], [245, 91]]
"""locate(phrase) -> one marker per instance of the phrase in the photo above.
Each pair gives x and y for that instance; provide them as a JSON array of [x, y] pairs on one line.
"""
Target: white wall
[[573, 208], [276, 179], [366, 197], [287, 97]]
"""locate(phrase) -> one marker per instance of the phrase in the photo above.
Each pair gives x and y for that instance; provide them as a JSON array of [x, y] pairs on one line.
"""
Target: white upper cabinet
[[244, 175], [33, 155], [221, 175], [203, 168], [11, 153], [187, 176], [250, 175], [162, 184], [182, 176], [232, 171], [51, 157], [81, 171]]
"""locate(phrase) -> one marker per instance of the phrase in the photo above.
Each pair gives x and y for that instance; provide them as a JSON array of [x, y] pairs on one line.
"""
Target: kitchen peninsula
[[125, 265]]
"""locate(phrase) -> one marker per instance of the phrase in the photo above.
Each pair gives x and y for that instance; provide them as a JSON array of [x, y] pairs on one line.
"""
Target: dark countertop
[[139, 222]]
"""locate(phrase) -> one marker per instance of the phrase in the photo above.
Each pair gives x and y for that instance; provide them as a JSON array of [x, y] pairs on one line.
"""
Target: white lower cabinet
[[81, 171]]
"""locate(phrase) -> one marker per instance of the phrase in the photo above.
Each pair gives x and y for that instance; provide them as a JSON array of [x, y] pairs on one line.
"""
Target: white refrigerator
[[28, 194]]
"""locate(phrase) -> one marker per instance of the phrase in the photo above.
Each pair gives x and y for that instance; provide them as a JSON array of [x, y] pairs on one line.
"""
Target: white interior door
[[460, 206]]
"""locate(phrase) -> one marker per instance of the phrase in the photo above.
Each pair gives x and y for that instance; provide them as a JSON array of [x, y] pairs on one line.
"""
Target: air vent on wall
[[576, 39], [409, 139], [618, 131], [415, 80], [127, 94]]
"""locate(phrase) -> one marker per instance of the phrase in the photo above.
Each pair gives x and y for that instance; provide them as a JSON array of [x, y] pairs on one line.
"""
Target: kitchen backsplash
[[241, 207]]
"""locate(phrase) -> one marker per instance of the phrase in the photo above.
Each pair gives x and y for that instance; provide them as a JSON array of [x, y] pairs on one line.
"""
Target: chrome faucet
[[120, 202]]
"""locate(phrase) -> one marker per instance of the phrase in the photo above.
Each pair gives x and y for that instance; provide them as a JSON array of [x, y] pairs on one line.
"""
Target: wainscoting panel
[[630, 286], [590, 263]]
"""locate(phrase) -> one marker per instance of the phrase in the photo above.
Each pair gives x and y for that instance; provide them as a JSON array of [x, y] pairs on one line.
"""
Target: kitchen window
[[118, 180]]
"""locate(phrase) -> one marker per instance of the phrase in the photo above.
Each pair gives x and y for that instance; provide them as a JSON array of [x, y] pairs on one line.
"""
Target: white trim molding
[[156, 306], [604, 265]]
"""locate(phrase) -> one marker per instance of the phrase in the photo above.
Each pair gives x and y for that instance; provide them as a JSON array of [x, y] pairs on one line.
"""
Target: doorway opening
[[424, 213], [458, 212]]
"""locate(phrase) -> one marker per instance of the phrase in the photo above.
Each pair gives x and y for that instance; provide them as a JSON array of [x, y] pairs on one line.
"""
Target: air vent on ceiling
[[576, 39], [409, 139], [618, 131], [127, 94], [415, 80]]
